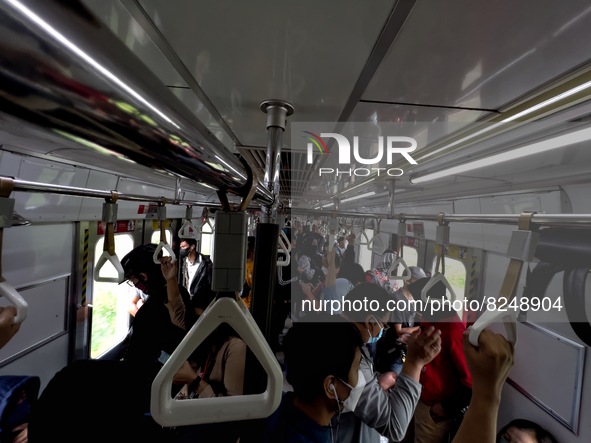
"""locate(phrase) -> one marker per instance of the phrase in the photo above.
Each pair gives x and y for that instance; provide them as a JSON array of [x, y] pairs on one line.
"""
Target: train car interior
[[455, 135]]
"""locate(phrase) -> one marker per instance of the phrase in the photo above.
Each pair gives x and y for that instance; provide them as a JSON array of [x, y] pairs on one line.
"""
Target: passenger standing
[[246, 294], [348, 258], [197, 275], [335, 288], [153, 331], [137, 299], [281, 298], [447, 382], [382, 270], [387, 403], [391, 350], [311, 278], [324, 374], [217, 371], [341, 246], [489, 363]]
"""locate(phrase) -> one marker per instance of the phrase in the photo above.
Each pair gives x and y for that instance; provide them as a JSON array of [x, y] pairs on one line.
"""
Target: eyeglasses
[[132, 281]]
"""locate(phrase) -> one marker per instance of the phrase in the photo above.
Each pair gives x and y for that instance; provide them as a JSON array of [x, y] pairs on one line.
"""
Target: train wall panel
[[46, 317], [37, 252], [515, 405], [92, 208], [43, 206], [389, 226], [554, 203], [467, 234], [494, 272], [9, 164], [579, 198], [134, 209], [45, 362]]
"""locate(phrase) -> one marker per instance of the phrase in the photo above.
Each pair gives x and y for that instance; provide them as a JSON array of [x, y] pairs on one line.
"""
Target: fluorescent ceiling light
[[357, 197], [536, 148], [328, 205], [358, 185], [511, 118], [87, 58], [548, 102]]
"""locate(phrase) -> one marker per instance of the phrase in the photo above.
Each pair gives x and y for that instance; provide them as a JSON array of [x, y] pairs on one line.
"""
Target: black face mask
[[142, 285], [184, 252]]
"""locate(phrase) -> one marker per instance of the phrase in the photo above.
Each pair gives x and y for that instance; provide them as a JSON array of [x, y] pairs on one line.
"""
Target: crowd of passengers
[[366, 377]]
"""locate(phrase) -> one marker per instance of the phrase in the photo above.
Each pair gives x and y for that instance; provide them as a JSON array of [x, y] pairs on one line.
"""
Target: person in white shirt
[[197, 275]]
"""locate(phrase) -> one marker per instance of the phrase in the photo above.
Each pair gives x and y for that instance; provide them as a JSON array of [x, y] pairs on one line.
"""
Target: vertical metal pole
[[394, 237], [263, 278], [265, 270], [265, 258], [277, 112], [391, 198]]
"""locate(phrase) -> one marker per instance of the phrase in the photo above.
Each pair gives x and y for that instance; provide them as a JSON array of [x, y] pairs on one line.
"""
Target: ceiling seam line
[[463, 108], [149, 27]]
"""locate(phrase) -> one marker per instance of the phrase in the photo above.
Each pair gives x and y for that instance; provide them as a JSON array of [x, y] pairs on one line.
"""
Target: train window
[[364, 252], [411, 256], [156, 237], [455, 273], [110, 318], [207, 239]]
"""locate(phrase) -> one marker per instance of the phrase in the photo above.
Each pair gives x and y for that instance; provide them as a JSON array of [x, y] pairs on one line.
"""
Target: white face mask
[[351, 402]]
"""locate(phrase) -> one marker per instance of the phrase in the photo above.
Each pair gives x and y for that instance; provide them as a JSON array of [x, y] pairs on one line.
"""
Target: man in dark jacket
[[197, 275]]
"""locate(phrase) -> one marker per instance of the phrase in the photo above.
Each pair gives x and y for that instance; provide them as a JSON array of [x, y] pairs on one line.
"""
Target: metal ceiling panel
[[389, 113], [197, 107], [308, 53], [481, 54], [452, 64], [437, 122], [115, 15], [117, 19]]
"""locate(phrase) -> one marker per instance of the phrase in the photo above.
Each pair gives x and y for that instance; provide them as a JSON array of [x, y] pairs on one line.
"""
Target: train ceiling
[[456, 62]]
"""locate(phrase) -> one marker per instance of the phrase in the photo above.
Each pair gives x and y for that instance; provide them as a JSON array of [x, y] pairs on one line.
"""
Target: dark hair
[[190, 241], [542, 435], [353, 272], [315, 350], [436, 292], [366, 299]]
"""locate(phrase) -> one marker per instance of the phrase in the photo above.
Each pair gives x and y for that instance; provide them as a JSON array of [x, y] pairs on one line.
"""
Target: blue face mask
[[375, 339]]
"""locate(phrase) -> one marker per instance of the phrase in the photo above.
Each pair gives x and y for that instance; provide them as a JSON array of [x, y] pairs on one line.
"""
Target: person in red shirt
[[447, 383]]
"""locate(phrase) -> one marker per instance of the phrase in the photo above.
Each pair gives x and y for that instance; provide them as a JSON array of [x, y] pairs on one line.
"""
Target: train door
[[457, 259], [110, 319], [365, 253]]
